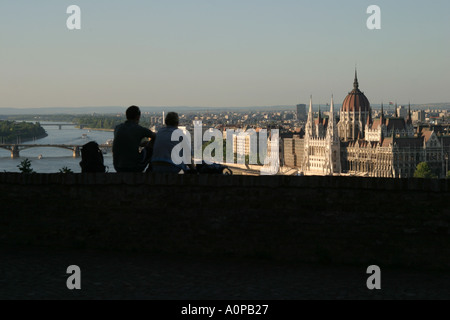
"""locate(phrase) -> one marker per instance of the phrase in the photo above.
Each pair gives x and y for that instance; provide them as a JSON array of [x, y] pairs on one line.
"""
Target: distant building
[[301, 112], [241, 143], [419, 116], [294, 149], [402, 112]]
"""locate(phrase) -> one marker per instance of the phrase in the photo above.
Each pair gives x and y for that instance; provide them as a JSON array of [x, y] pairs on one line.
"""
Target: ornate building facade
[[358, 145], [322, 148]]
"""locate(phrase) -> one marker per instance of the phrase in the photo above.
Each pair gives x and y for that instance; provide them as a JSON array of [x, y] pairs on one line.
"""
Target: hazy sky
[[221, 52]]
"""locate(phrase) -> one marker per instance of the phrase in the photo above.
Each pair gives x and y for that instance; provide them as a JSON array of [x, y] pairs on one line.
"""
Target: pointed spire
[[355, 83], [332, 127], [310, 123], [409, 120], [332, 105], [396, 110], [382, 114], [320, 116]]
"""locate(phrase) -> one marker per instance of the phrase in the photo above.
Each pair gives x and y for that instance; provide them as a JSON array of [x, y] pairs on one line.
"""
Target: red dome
[[356, 100]]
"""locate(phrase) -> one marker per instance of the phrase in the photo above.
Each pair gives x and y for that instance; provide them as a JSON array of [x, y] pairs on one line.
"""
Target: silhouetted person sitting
[[128, 138], [162, 161]]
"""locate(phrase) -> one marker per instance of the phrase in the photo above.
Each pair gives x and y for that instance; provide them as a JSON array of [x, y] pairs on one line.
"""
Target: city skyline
[[221, 54]]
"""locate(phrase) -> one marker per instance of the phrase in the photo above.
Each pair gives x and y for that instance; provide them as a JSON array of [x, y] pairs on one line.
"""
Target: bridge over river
[[76, 149], [60, 125]]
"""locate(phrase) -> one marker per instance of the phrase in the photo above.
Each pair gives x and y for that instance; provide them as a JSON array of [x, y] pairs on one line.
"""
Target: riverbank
[[96, 129]]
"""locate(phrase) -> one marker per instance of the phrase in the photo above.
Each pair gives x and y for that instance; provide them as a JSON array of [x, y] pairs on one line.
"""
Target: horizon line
[[215, 107]]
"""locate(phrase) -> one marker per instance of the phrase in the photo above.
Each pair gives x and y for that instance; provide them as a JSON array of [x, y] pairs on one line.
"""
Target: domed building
[[357, 146], [355, 114]]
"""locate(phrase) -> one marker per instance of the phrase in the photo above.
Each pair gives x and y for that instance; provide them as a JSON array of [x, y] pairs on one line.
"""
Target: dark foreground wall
[[325, 219]]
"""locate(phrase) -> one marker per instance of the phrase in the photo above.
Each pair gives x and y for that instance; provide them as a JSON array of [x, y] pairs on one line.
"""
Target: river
[[53, 159]]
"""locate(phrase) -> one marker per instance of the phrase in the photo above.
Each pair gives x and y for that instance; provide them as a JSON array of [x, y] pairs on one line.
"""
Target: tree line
[[106, 122], [12, 131], [95, 121]]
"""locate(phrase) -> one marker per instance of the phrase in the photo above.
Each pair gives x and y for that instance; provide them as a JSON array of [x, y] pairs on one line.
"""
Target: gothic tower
[[333, 143]]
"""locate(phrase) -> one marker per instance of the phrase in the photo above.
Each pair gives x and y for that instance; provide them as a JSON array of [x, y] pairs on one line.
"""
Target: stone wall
[[310, 219]]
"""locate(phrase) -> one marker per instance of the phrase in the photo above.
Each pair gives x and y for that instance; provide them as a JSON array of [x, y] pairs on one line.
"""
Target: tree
[[25, 166], [423, 171], [448, 175], [65, 170]]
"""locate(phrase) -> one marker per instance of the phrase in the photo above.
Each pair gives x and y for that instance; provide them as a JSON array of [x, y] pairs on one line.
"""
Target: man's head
[[133, 114], [172, 119]]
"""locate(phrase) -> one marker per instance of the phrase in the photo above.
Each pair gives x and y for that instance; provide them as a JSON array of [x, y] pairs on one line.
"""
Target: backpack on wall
[[213, 168], [92, 158]]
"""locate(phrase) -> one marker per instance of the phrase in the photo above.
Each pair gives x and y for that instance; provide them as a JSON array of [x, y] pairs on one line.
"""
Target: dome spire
[[355, 83]]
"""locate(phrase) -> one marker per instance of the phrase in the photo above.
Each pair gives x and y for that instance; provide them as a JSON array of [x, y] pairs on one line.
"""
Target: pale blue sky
[[219, 53]]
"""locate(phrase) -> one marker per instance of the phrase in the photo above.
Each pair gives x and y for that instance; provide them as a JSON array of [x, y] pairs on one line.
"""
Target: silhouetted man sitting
[[128, 138], [162, 151]]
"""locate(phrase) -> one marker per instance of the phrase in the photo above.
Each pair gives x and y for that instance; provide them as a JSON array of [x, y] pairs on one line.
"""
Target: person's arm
[[147, 133]]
